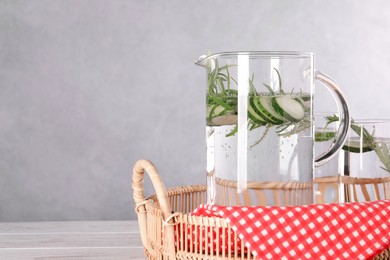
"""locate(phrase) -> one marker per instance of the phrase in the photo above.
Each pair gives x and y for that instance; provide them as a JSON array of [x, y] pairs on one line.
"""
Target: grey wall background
[[89, 87]]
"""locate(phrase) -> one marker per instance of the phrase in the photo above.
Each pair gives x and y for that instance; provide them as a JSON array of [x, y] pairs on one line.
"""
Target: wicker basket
[[169, 232]]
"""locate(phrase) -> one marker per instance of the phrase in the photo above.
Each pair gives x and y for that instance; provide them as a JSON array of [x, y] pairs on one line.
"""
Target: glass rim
[[256, 54], [370, 121]]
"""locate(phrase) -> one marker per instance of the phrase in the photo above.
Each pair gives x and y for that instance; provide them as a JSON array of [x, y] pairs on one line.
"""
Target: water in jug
[[260, 127]]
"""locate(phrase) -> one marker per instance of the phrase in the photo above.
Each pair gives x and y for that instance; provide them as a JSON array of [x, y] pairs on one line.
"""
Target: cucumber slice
[[263, 107], [303, 103], [354, 146], [253, 115], [289, 108]]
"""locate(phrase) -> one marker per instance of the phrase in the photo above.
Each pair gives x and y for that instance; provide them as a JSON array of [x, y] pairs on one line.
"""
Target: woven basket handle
[[138, 194], [138, 189]]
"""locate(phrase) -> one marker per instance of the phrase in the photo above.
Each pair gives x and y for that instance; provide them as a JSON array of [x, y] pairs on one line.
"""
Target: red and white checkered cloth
[[318, 231]]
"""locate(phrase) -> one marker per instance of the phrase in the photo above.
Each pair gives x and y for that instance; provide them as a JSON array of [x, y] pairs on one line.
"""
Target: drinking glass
[[364, 162]]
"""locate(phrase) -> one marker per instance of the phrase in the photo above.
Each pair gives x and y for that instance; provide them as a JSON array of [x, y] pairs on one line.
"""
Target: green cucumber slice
[[253, 114], [263, 107], [289, 108], [354, 146], [303, 103]]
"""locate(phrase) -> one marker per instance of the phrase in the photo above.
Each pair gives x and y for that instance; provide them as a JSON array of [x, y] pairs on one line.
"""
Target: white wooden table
[[70, 240]]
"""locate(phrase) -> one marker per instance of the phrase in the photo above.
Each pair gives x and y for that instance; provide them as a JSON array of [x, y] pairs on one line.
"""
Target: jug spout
[[208, 61], [201, 61]]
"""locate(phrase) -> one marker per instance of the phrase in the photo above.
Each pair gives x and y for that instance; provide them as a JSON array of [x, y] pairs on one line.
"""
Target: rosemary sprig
[[222, 101], [280, 81], [296, 128], [262, 136], [381, 149], [331, 119], [270, 90]]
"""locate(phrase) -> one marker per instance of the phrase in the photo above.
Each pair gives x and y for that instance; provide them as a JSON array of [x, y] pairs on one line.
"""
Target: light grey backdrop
[[89, 87]]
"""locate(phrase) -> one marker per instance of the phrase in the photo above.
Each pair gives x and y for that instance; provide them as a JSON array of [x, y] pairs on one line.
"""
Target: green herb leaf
[[381, 149]]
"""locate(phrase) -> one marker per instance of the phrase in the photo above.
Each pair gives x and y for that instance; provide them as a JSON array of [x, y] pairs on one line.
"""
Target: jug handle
[[345, 119]]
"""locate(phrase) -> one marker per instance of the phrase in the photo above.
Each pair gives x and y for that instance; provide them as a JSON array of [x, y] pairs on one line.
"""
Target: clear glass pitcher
[[260, 127]]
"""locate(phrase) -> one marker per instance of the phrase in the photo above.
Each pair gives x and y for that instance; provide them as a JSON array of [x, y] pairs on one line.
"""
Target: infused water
[[277, 157]]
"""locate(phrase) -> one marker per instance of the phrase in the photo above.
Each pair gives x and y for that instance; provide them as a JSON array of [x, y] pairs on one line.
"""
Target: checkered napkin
[[319, 231]]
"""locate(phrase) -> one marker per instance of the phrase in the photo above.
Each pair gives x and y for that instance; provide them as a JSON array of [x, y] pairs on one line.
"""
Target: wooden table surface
[[70, 240]]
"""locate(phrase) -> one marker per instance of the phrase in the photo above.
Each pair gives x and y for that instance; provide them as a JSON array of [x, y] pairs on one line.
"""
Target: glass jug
[[260, 127]]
